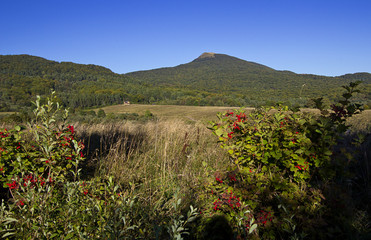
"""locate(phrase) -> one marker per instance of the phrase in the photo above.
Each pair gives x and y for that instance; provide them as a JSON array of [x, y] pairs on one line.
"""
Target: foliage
[[219, 81], [47, 200], [70, 210], [101, 113], [279, 158], [52, 151], [178, 227], [243, 83]]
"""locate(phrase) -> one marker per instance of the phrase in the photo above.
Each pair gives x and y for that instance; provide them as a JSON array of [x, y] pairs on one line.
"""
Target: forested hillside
[[211, 79], [250, 82], [78, 85]]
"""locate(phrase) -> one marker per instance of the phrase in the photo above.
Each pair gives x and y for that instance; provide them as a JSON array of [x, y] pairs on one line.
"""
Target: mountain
[[210, 79], [222, 73], [205, 71]]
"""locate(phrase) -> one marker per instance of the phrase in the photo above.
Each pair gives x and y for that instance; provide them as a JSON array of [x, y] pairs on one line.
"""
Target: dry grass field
[[192, 113], [361, 121], [158, 156], [208, 113]]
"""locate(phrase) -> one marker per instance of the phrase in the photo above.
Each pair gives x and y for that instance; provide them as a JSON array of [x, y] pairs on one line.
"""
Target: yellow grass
[[208, 113], [160, 156], [361, 122], [193, 113]]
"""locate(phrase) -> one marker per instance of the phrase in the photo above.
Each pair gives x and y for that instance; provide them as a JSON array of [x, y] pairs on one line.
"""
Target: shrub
[[280, 161], [46, 199], [49, 150], [101, 113]]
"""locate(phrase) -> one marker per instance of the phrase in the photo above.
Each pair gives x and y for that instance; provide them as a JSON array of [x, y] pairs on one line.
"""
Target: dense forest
[[211, 79]]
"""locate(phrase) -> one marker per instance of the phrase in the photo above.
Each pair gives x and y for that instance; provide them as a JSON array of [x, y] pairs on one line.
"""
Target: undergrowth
[[280, 174]]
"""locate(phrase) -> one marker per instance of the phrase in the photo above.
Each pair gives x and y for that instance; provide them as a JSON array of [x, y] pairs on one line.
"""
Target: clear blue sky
[[325, 37]]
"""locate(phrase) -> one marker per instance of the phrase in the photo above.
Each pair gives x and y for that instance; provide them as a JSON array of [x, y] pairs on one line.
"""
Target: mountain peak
[[207, 55]]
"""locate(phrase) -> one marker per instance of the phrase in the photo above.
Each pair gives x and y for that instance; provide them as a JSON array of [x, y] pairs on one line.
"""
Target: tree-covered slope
[[223, 73], [211, 79], [23, 77], [204, 71]]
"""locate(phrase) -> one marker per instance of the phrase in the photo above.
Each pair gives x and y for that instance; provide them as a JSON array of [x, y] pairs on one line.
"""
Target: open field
[[193, 113], [361, 121], [206, 113]]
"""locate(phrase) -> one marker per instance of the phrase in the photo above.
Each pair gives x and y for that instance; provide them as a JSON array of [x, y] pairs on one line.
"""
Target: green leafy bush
[[47, 200], [44, 197], [280, 161], [48, 149]]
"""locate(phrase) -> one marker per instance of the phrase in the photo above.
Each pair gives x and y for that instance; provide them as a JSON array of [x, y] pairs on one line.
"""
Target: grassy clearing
[[157, 160], [160, 156], [359, 122], [157, 157], [188, 113]]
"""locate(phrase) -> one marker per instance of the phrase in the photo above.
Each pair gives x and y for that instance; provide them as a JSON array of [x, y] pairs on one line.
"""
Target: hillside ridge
[[211, 79]]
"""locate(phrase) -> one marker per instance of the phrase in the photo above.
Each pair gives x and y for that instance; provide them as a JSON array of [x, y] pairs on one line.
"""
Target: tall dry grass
[[156, 157]]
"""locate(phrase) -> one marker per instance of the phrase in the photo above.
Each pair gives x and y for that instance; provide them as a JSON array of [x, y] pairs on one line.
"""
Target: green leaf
[[8, 234], [252, 228], [10, 220], [54, 235], [328, 153], [318, 131], [69, 236], [299, 151], [219, 132]]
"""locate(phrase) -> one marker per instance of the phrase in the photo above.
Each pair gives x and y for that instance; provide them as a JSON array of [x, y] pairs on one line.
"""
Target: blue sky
[[325, 37]]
